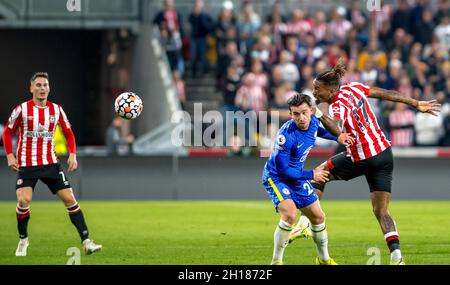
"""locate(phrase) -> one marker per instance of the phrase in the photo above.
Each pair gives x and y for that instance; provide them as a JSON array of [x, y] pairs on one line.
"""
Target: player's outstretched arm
[[332, 126], [430, 107]]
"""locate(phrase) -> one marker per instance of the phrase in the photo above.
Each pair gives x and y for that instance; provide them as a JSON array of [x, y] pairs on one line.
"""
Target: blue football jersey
[[290, 151]]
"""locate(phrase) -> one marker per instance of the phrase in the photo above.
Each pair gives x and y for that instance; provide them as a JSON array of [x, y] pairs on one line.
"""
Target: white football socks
[[303, 221], [396, 255], [320, 236], [280, 238]]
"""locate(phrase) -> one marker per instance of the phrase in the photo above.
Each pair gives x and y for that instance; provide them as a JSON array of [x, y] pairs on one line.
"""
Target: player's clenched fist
[[12, 162], [321, 175], [72, 162]]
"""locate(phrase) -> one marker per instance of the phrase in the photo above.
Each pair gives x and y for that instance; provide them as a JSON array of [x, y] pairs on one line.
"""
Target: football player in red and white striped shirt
[[371, 155], [36, 121]]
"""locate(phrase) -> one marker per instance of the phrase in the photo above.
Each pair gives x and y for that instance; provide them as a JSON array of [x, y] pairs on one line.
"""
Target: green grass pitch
[[221, 233]]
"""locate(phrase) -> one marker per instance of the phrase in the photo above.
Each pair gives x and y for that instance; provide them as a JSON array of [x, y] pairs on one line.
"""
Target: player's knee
[[318, 219], [70, 202], [24, 202], [289, 218]]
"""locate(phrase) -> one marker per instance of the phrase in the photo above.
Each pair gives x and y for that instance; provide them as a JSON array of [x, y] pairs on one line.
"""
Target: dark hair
[[39, 74], [298, 99], [332, 77]]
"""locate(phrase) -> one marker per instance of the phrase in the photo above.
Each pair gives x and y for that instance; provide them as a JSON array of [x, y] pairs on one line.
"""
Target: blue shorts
[[302, 193]]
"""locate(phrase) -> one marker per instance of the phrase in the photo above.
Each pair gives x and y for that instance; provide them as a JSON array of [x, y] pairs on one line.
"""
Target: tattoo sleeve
[[387, 224], [391, 95], [330, 125]]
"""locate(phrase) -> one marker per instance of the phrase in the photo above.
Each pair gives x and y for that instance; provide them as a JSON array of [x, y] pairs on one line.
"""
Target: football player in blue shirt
[[286, 181]]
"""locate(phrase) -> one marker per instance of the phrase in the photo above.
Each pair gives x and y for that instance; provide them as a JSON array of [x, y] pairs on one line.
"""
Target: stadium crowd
[[262, 58]]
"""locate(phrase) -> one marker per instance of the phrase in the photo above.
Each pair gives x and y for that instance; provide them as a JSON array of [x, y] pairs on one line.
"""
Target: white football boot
[[22, 247]]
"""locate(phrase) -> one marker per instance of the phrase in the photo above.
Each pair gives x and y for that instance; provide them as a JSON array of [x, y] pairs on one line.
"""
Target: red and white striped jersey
[[351, 106], [37, 125]]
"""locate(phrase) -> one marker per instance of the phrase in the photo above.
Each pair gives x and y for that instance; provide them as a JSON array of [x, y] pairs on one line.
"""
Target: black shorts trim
[[377, 169], [51, 175]]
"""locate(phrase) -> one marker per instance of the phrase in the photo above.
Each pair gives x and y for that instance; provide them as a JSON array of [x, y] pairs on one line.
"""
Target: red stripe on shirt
[[40, 141], [29, 144], [51, 128]]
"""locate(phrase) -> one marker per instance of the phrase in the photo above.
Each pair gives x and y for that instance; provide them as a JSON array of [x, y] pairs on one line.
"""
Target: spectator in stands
[[170, 20], [232, 81], [373, 52], [424, 32], [292, 45], [278, 105], [171, 17], [405, 87], [237, 147], [201, 25], [442, 32], [356, 16], [276, 15], [261, 77], [429, 129], [401, 43], [443, 9], [224, 60], [319, 25], [289, 70], [446, 138], [116, 143], [251, 96], [276, 80], [307, 74], [443, 76], [298, 23], [381, 16], [385, 35], [225, 29], [369, 73], [339, 26], [262, 51], [401, 121], [309, 52], [248, 24], [352, 46], [352, 74], [401, 18], [416, 14], [172, 44]]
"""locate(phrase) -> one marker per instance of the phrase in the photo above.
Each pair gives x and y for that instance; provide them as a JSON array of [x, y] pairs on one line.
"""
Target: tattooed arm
[[332, 126], [431, 107]]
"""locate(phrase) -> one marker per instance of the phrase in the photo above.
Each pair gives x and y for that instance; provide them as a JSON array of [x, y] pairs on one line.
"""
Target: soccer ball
[[128, 105]]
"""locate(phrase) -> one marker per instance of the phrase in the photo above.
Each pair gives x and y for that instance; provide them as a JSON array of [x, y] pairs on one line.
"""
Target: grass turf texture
[[220, 233]]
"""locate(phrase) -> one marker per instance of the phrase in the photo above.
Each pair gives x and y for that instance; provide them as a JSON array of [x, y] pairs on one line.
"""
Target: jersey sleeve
[[67, 131], [15, 119], [323, 133], [362, 87], [282, 155], [11, 126]]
